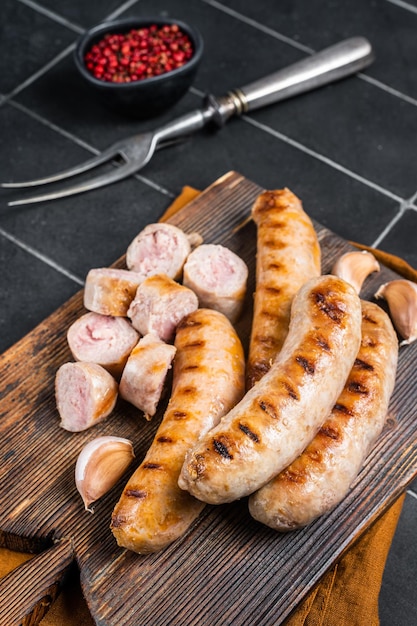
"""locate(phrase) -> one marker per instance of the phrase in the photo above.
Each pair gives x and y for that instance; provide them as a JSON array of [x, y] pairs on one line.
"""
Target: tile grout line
[[245, 118], [251, 22], [39, 73], [403, 5], [295, 44], [389, 227], [83, 144], [123, 7], [218, 5], [41, 257], [322, 158], [52, 15]]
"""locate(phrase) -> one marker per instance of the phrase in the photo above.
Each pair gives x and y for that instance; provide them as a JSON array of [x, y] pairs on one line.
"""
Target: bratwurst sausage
[[280, 415], [288, 254], [208, 379], [322, 475]]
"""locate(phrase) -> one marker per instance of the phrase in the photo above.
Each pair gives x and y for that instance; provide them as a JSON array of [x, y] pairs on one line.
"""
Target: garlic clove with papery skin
[[354, 267], [401, 296], [99, 466]]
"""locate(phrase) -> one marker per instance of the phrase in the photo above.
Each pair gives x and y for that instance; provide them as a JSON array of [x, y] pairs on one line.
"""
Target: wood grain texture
[[228, 568]]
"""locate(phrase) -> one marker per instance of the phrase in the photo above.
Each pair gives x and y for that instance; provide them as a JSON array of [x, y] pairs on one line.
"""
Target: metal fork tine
[[99, 181], [72, 171]]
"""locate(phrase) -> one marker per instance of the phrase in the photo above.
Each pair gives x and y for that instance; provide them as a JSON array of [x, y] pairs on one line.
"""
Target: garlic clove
[[99, 466], [401, 296], [355, 266]]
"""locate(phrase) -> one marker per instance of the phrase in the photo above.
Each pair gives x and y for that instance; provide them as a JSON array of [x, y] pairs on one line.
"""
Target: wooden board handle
[[34, 585]]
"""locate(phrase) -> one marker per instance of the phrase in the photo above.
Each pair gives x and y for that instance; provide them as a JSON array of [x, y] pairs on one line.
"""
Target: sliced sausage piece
[[110, 291], [85, 394], [145, 372], [102, 339], [208, 379], [322, 475], [158, 249], [218, 276], [288, 255], [279, 416], [159, 305]]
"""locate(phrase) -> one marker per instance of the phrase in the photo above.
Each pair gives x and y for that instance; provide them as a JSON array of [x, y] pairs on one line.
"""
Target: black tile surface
[[348, 150], [390, 27], [28, 41]]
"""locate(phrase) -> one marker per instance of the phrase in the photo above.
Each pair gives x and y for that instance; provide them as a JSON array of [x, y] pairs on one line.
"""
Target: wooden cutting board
[[228, 569]]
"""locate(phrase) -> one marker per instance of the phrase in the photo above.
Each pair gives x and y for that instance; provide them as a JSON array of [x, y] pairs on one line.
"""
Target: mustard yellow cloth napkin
[[347, 595]]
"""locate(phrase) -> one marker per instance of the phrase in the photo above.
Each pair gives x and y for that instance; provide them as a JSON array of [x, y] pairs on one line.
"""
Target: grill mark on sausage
[[358, 388], [117, 521], [329, 308], [268, 408], [307, 365], [290, 390], [179, 415], [273, 290], [369, 319], [363, 365], [194, 344], [152, 466], [330, 432], [258, 370], [271, 243], [367, 342], [269, 200], [274, 265], [315, 455], [322, 343], [270, 315], [221, 448], [186, 322], [245, 429], [266, 340], [341, 408], [190, 390], [136, 493], [190, 367], [297, 476], [164, 439]]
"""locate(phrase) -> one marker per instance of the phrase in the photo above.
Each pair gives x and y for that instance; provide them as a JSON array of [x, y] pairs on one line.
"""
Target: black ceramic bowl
[[146, 97]]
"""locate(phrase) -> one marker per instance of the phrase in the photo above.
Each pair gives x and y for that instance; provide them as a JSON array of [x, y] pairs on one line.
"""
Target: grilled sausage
[[109, 291], [208, 379], [322, 475], [218, 276], [143, 378], [280, 415], [159, 249], [85, 394], [288, 254], [159, 305], [102, 339]]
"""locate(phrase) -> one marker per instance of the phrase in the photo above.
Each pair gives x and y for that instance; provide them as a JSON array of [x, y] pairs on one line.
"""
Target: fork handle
[[331, 64], [338, 61]]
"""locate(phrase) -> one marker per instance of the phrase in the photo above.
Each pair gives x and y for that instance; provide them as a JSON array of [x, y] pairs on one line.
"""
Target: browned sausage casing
[[288, 254], [208, 379], [322, 475], [280, 415]]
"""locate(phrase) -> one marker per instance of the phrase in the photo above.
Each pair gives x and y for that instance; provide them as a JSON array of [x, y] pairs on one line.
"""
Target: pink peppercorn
[[139, 53]]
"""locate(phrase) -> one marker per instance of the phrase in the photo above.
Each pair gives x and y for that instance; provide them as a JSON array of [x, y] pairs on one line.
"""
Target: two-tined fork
[[331, 64]]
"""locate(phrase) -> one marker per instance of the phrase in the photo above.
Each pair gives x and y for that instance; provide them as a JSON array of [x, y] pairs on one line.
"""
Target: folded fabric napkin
[[347, 595]]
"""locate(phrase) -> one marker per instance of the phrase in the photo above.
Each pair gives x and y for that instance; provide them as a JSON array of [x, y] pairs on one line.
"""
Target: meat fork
[[331, 64]]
